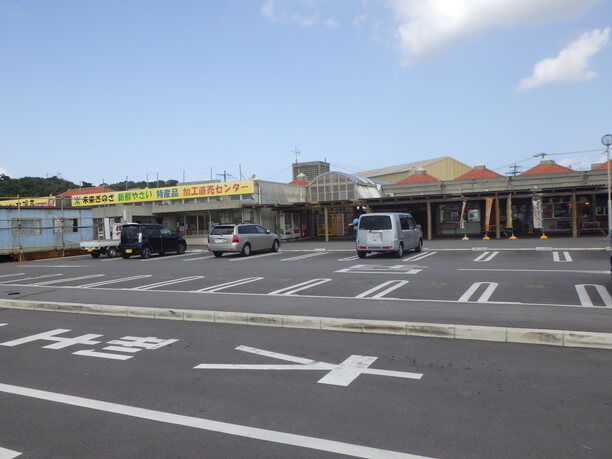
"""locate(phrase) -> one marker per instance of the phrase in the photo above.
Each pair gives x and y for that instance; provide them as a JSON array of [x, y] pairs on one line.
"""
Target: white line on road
[[11, 275], [484, 298], [392, 285], [299, 287], [67, 279], [3, 325], [8, 453], [489, 256], [539, 270], [31, 278], [353, 258], [166, 257], [199, 258], [255, 257], [63, 258], [114, 281], [165, 283], [566, 255], [419, 256], [585, 298], [207, 424], [301, 257], [216, 288]]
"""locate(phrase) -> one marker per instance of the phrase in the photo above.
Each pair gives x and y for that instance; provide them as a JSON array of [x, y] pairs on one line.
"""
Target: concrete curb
[[565, 338]]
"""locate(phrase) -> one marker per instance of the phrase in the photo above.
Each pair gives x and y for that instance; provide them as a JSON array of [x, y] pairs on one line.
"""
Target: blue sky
[[102, 90]]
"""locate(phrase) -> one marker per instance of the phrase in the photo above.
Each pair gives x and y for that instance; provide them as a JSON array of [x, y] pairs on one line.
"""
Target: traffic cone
[[465, 238], [543, 236], [486, 237]]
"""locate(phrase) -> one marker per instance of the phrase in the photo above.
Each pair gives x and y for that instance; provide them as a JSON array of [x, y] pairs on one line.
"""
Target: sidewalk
[[552, 243]]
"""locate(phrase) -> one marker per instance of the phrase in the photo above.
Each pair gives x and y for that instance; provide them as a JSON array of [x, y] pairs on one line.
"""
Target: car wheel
[[145, 252], [361, 254], [246, 250], [275, 246], [400, 251], [111, 252], [218, 254], [182, 248], [126, 255], [95, 254], [419, 247]]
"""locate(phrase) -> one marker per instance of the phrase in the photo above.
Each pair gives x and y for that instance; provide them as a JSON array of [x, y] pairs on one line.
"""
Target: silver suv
[[244, 238]]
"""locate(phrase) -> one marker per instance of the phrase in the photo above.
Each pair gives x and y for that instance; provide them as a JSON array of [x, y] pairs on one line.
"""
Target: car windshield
[[222, 230], [375, 222]]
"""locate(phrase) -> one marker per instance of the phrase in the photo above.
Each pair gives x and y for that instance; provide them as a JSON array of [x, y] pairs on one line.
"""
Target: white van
[[389, 233]]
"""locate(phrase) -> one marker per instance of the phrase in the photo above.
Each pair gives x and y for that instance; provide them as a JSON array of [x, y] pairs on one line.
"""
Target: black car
[[146, 239]]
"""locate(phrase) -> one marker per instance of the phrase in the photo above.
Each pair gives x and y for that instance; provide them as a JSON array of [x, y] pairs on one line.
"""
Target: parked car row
[[392, 233]]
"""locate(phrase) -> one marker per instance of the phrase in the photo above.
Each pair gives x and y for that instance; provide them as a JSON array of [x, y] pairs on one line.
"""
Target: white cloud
[[3, 171], [572, 63], [304, 13], [428, 26]]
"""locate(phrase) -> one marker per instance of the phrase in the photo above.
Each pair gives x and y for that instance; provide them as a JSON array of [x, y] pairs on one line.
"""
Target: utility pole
[[225, 175], [296, 152], [183, 175], [515, 169]]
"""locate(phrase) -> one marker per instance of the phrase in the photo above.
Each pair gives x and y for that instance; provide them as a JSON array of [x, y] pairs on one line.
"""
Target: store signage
[[198, 190], [29, 202], [536, 202]]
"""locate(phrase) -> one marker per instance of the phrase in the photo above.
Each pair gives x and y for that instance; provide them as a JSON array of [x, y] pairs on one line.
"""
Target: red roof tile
[[299, 182], [602, 166], [419, 177], [88, 190], [478, 173], [547, 168]]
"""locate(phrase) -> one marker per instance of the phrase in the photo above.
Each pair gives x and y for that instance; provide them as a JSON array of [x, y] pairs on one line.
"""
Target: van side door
[[406, 234]]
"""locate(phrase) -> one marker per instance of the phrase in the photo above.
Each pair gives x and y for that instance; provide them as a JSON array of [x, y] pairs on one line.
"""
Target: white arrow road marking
[[300, 441], [585, 299], [31, 278], [216, 288], [166, 283], [485, 295], [114, 281], [301, 257], [66, 279], [299, 287], [566, 255], [339, 375], [8, 453], [11, 275], [392, 285], [419, 256], [489, 256]]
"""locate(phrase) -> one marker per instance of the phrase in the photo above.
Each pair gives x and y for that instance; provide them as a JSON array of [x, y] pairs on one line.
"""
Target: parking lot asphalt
[[561, 289], [76, 386]]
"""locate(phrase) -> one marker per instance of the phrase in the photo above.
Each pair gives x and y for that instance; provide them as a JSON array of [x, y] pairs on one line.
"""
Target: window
[[375, 222], [220, 230], [411, 223], [165, 232], [404, 222], [261, 229], [26, 226]]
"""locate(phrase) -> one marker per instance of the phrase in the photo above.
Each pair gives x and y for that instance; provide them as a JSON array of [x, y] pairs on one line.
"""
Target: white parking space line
[[57, 266], [353, 258], [114, 281], [44, 276], [170, 257], [299, 287], [12, 275], [300, 441], [199, 258], [585, 298], [391, 285], [63, 258], [419, 256], [486, 256], [301, 257], [117, 258], [256, 256], [8, 453], [567, 258], [67, 279], [216, 288], [3, 325], [538, 270], [484, 297], [166, 283]]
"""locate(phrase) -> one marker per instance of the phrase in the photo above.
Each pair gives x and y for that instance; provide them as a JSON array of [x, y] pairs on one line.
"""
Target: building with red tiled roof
[[87, 190], [547, 166], [300, 180], [601, 166], [479, 172], [420, 176]]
